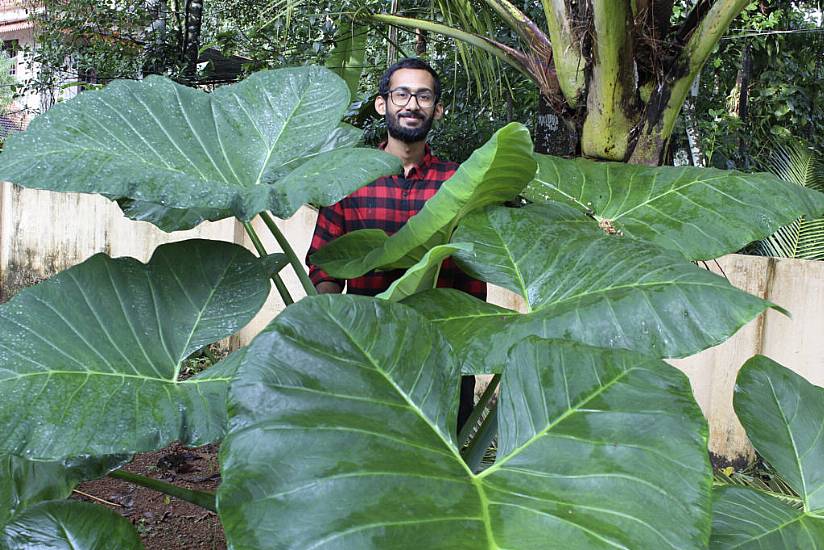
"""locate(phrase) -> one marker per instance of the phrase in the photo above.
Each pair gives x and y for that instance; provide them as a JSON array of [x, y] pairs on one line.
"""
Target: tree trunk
[[194, 20], [420, 42], [553, 135], [391, 49], [743, 84], [692, 131]]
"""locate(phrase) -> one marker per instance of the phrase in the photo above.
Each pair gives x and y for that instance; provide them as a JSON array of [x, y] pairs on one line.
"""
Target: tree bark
[[194, 21], [692, 130], [553, 135], [420, 42], [743, 85]]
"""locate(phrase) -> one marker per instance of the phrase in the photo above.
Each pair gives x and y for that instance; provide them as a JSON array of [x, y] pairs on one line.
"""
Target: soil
[[164, 522]]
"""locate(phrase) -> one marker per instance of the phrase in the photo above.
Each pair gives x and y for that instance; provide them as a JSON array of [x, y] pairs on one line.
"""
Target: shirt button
[[405, 193]]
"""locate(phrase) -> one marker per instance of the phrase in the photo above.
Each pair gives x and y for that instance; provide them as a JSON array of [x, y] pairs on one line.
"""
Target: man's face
[[409, 123]]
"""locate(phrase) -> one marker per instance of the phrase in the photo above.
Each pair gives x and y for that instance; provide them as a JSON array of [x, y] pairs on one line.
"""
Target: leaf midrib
[[548, 307], [484, 501]]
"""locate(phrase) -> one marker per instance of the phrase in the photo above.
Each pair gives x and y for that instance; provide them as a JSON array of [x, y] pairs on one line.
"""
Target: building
[[17, 37]]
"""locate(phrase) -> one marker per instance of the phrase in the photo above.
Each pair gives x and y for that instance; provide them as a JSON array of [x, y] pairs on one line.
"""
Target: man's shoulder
[[442, 166]]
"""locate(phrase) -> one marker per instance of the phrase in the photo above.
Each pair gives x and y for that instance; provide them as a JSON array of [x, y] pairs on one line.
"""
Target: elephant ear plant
[[338, 420]]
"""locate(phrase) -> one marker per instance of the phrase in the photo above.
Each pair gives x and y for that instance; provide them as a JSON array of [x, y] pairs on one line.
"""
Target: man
[[409, 99]]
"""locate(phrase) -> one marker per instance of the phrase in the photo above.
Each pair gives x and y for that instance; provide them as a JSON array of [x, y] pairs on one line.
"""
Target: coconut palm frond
[[763, 479], [803, 238], [482, 68], [811, 239]]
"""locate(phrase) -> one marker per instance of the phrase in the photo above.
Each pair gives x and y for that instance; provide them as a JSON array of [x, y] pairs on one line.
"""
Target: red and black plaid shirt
[[387, 203]]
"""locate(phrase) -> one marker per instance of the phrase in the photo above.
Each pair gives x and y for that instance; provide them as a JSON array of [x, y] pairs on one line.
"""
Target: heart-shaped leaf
[[422, 275], [271, 142], [89, 359], [494, 173], [703, 213], [342, 436], [580, 284], [784, 418], [70, 525], [24, 483]]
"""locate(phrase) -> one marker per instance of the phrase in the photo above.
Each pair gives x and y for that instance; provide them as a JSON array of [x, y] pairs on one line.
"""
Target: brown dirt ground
[[165, 523]]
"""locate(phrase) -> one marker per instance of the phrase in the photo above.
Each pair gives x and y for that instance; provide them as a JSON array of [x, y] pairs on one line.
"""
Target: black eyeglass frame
[[411, 95]]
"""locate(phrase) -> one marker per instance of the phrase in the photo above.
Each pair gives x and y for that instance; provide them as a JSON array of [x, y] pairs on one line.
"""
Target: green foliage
[[375, 379], [785, 93], [496, 172], [29, 520], [804, 237], [783, 415], [70, 525], [342, 412], [683, 209], [7, 82], [273, 142], [580, 285], [121, 329]]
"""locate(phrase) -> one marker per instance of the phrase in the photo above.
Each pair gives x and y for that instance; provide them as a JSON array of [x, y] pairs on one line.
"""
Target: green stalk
[[473, 454], [297, 265], [201, 498], [466, 430], [501, 51], [279, 284]]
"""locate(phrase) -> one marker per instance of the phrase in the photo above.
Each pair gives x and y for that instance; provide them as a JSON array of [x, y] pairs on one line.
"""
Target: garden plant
[[338, 421]]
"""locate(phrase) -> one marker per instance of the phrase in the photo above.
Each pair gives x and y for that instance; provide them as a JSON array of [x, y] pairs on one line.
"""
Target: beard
[[408, 135]]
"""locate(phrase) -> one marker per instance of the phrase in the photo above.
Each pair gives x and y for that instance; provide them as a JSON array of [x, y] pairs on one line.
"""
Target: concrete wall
[[42, 233], [796, 342]]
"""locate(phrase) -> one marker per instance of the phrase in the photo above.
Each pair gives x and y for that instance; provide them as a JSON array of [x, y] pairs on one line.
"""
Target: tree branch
[[566, 46], [505, 53], [611, 103], [669, 97]]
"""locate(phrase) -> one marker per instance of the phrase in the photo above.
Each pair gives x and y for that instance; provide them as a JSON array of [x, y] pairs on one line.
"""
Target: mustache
[[410, 114]]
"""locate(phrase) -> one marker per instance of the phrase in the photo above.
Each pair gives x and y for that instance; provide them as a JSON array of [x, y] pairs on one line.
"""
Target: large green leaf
[[703, 213], [179, 219], [496, 172], [342, 437], [784, 418], [424, 274], [580, 284], [348, 58], [24, 483], [748, 519], [69, 525], [89, 359], [271, 142]]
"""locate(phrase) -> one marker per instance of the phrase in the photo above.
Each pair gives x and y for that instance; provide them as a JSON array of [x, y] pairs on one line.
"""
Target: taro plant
[[784, 418], [338, 419]]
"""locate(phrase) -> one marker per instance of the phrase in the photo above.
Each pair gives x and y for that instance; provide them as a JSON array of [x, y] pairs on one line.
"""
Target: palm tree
[[612, 74], [804, 237]]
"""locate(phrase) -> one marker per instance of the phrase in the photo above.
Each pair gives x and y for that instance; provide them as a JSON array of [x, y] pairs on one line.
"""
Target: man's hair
[[409, 63]]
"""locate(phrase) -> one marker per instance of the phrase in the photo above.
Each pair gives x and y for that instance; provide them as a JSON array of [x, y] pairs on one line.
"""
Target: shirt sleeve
[[330, 226]]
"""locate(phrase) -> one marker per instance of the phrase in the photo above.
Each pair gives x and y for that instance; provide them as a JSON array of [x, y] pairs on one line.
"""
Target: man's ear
[[380, 105], [438, 113]]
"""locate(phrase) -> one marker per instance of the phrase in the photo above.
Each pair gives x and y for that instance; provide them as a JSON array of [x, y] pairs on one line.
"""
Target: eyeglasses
[[401, 96]]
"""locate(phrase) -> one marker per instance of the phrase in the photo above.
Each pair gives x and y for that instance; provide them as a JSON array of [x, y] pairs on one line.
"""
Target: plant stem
[[297, 265], [201, 498], [466, 430], [279, 285], [474, 454]]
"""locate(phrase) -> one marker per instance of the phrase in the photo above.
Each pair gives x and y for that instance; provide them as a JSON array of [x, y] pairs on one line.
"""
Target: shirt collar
[[425, 163]]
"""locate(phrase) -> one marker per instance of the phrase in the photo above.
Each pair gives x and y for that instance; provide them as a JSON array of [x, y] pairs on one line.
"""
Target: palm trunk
[[194, 21], [553, 134]]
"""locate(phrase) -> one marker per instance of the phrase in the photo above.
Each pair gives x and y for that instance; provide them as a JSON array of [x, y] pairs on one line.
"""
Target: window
[[11, 47]]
